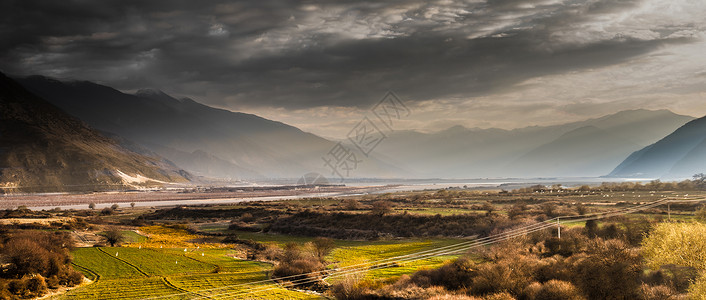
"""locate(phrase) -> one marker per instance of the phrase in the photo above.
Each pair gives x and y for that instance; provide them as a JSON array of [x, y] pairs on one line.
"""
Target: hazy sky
[[320, 65]]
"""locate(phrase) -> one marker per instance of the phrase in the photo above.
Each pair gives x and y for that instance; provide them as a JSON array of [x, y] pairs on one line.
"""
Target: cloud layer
[[314, 55]]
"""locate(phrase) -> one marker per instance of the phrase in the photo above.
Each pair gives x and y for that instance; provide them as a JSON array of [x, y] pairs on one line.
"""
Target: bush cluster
[[34, 262], [539, 266]]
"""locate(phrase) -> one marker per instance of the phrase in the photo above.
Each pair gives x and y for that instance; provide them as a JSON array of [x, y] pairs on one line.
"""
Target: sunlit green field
[[171, 273], [143, 271], [368, 255]]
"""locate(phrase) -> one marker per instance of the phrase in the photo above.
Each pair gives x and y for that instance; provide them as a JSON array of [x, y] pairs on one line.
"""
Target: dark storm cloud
[[301, 54]]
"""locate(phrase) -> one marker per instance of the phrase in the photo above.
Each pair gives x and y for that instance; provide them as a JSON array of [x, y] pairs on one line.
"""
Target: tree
[[700, 180], [114, 206], [113, 236], [322, 247], [682, 244], [132, 204], [92, 205], [381, 207]]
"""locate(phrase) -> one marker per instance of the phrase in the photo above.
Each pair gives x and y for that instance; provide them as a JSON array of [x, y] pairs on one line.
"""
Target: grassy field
[[148, 269], [364, 255], [143, 270], [169, 273]]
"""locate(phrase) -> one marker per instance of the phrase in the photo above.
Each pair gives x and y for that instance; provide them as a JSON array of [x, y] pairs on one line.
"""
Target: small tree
[[92, 205], [114, 206], [700, 180], [132, 204], [381, 207], [113, 236], [322, 247]]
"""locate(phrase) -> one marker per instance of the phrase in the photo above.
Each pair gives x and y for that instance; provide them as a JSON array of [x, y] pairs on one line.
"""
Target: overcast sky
[[320, 65]]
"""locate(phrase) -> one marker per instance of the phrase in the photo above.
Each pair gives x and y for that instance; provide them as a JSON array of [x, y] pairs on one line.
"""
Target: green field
[[143, 272], [170, 273], [367, 255]]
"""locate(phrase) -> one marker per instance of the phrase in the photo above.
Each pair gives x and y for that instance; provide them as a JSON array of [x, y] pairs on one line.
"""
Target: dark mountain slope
[[680, 154], [44, 149], [184, 131]]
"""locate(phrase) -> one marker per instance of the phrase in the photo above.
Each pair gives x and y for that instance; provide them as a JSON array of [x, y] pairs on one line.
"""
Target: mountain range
[[587, 148], [43, 149], [205, 140], [219, 143]]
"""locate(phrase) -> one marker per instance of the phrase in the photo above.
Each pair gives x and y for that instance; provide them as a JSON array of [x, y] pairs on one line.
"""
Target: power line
[[446, 250], [546, 224]]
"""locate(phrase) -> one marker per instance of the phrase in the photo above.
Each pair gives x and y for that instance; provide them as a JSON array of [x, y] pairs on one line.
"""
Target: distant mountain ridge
[[680, 154], [43, 149], [587, 148]]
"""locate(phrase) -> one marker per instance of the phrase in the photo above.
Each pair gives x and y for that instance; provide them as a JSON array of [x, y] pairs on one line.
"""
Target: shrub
[[453, 276], [36, 285], [381, 208], [351, 204], [349, 287], [500, 296], [508, 275], [698, 289], [660, 292], [297, 264], [36, 260], [558, 290], [611, 271]]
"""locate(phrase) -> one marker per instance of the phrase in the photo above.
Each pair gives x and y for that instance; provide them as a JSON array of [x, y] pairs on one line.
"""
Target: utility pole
[[669, 212]]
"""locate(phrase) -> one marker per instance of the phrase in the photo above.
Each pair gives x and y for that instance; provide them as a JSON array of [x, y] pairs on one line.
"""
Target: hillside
[[43, 149], [204, 140], [680, 154]]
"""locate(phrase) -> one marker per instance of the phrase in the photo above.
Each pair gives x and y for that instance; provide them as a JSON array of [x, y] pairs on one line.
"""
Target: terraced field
[[143, 270], [147, 269], [145, 273]]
